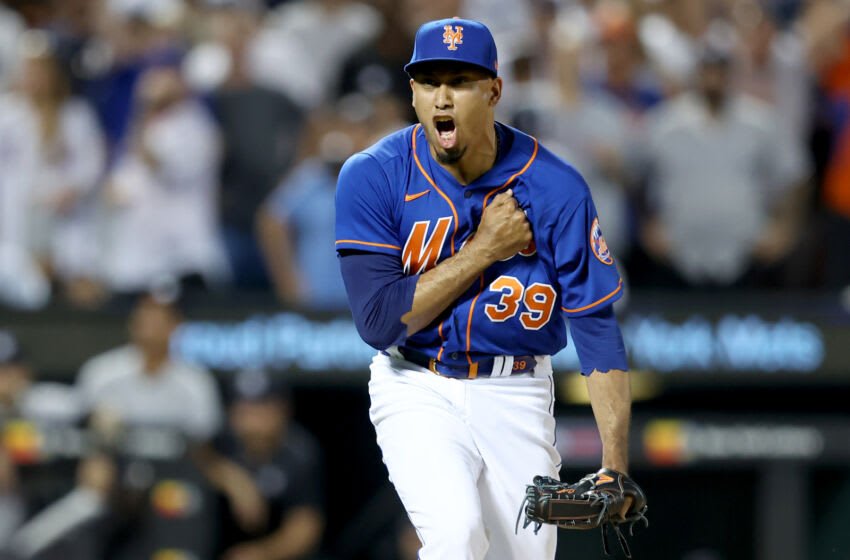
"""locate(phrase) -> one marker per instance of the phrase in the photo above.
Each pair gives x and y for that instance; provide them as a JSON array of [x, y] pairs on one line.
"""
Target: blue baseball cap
[[455, 40]]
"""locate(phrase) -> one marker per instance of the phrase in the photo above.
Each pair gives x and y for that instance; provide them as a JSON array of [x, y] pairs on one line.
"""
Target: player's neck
[[478, 159]]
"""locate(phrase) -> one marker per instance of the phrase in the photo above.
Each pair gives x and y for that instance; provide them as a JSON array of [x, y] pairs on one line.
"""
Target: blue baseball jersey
[[394, 198]]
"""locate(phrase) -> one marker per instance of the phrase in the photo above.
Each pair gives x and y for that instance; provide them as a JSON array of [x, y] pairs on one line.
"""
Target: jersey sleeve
[[364, 208], [587, 275]]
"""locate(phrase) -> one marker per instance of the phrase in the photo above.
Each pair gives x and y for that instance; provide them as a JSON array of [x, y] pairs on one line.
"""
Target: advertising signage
[[672, 339]]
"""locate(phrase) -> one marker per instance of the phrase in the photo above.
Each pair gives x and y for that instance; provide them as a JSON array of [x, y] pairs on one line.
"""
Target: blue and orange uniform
[[394, 199]]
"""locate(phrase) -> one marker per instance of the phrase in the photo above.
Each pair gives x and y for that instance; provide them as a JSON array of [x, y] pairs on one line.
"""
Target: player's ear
[[412, 94], [495, 91]]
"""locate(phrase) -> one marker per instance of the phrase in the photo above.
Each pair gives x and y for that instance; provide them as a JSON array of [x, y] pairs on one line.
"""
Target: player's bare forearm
[[502, 233], [440, 287], [611, 398]]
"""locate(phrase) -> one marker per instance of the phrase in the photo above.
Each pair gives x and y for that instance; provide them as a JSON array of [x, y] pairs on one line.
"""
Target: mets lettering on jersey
[[395, 199]]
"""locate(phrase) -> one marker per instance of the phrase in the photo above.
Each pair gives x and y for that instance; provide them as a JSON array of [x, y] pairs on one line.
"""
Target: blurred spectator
[[130, 37], [32, 471], [137, 386], [508, 20], [771, 65], [142, 384], [828, 31], [70, 165], [671, 36], [418, 12], [377, 68], [163, 193], [286, 55], [725, 184], [260, 128], [296, 223], [284, 462], [11, 28], [14, 379], [22, 283], [398, 542], [619, 66], [593, 131]]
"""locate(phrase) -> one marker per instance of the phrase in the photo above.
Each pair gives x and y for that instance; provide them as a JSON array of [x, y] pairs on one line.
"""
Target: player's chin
[[449, 156]]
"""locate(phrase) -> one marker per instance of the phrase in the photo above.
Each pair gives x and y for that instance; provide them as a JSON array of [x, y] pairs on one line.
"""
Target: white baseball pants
[[460, 454]]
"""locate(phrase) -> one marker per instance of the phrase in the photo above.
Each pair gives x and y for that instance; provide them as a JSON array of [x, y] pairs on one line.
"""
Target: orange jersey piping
[[433, 184], [597, 302], [484, 205]]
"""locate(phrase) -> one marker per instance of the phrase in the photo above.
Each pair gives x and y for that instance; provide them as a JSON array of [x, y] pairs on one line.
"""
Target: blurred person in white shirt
[[286, 55], [726, 185], [70, 164], [162, 194], [142, 384], [22, 283]]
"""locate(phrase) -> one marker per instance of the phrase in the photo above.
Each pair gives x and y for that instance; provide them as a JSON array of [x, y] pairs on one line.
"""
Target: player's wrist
[[480, 252]]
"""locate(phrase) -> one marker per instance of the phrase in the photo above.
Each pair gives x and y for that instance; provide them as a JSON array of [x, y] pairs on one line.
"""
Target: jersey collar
[[517, 151]]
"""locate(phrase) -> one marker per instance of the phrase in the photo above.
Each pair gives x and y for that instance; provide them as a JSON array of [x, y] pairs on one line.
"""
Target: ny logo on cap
[[453, 38]]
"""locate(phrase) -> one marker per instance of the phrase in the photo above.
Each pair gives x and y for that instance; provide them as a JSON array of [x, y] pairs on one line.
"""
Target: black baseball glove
[[596, 501]]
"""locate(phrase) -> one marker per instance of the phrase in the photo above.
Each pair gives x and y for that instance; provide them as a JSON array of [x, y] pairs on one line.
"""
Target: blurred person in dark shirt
[[373, 70], [284, 463], [37, 439], [260, 129], [14, 378]]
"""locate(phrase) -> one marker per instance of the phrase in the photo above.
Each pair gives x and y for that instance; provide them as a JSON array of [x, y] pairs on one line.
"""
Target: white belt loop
[[507, 365], [498, 363]]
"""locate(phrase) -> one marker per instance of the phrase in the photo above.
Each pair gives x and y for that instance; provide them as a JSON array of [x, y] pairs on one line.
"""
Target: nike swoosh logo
[[409, 197]]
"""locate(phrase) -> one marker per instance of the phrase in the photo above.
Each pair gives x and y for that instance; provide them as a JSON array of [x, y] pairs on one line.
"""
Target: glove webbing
[[621, 538]]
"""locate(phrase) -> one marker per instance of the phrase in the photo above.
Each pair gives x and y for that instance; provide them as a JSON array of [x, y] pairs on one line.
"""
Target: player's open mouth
[[446, 132]]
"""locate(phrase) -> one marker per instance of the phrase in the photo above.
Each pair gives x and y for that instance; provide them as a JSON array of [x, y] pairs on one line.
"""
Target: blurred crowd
[[148, 143], [142, 458], [157, 146]]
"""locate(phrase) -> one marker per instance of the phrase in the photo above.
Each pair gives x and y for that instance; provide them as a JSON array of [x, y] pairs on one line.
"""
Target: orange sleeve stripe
[[369, 243], [597, 302], [433, 184]]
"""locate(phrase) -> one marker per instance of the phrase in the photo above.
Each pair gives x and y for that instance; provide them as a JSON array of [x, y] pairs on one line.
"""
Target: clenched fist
[[504, 229]]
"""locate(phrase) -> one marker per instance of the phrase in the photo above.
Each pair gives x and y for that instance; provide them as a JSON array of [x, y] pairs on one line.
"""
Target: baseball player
[[463, 243]]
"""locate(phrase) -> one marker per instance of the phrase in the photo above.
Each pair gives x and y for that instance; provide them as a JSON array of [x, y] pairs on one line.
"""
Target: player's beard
[[449, 157]]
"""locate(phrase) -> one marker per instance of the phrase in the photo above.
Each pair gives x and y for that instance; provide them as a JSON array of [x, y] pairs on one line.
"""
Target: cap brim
[[410, 67]]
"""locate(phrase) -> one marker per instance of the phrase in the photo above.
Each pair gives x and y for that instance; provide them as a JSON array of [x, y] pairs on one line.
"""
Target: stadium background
[[741, 433]]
